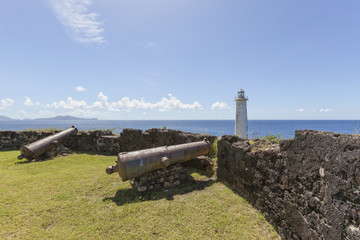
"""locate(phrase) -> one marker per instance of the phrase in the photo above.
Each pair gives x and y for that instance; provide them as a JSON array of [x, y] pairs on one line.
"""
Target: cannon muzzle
[[39, 147], [134, 164]]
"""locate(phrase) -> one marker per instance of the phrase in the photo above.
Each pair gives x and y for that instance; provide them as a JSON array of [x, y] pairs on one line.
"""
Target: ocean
[[257, 128]]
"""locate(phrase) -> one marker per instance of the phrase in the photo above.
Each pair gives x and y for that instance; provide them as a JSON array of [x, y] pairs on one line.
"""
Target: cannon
[[134, 164], [39, 147]]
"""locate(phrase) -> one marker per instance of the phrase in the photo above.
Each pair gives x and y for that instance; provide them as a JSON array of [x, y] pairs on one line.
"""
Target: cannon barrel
[[134, 164], [39, 147]]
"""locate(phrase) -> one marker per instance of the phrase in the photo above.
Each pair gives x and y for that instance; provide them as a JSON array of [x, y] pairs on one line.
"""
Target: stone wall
[[104, 141], [308, 188], [173, 175]]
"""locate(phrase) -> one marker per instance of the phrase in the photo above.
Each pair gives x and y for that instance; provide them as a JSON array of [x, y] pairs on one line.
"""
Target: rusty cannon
[[39, 147], [134, 164]]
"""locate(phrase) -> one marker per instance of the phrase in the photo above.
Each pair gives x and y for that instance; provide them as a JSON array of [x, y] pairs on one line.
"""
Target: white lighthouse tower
[[241, 122]]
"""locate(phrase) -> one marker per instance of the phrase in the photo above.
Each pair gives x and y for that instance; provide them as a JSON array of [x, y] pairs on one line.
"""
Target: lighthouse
[[241, 122]]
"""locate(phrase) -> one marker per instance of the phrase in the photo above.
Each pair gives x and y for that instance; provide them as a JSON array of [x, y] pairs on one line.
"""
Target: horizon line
[[96, 119]]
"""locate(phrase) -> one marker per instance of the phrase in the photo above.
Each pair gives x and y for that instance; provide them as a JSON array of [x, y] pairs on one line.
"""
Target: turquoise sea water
[[257, 128]]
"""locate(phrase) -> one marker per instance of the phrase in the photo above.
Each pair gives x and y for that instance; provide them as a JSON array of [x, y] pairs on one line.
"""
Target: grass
[[213, 151], [73, 198], [51, 129], [273, 138], [356, 130]]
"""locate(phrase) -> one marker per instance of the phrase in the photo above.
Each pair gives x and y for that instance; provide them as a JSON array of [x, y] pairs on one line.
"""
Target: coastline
[[257, 128]]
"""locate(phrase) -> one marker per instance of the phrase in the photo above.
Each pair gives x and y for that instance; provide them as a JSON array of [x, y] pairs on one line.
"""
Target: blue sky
[[180, 59]]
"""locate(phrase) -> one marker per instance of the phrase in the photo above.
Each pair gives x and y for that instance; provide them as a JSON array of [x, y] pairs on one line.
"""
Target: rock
[[177, 182], [182, 177], [171, 178], [167, 184], [141, 188], [104, 141], [133, 183], [157, 186], [178, 168], [353, 231], [306, 187]]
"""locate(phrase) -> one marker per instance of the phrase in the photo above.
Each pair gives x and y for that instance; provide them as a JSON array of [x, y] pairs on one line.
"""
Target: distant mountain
[[57, 118], [3, 118], [67, 117]]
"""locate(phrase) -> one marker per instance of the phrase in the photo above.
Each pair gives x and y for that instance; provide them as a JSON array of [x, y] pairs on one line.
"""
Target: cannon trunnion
[[134, 164], [39, 147]]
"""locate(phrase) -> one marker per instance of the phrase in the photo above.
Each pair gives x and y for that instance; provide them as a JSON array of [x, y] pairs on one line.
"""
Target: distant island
[[3, 118], [57, 118]]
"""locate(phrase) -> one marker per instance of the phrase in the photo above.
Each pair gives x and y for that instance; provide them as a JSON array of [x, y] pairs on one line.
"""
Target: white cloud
[[125, 102], [151, 44], [81, 108], [165, 104], [82, 24], [7, 102], [28, 102], [102, 101], [300, 110], [174, 103], [68, 104], [219, 105], [80, 89]]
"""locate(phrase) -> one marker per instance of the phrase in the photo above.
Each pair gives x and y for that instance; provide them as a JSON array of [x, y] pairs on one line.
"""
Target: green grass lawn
[[73, 198]]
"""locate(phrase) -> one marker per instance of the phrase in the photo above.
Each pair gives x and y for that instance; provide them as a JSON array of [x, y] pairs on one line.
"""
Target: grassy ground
[[73, 198]]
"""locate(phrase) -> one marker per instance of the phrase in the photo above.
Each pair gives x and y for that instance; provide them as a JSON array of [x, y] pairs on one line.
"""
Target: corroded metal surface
[[134, 164], [39, 147]]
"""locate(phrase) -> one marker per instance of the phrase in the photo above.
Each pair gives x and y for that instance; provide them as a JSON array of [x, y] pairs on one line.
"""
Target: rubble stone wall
[[308, 188], [104, 141]]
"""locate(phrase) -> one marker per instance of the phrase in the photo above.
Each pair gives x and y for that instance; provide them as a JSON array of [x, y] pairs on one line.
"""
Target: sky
[[179, 59]]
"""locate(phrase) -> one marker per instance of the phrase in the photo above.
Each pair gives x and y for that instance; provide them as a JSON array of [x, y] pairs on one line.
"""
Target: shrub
[[273, 138]]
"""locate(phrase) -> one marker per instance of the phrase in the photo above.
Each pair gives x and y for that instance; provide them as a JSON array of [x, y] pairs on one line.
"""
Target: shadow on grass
[[25, 162], [39, 159], [126, 196], [48, 157]]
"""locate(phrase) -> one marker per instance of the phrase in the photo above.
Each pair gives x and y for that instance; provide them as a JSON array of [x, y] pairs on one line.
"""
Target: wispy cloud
[[7, 102], [323, 110], [80, 89], [300, 110], [219, 106], [42, 113], [82, 24]]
